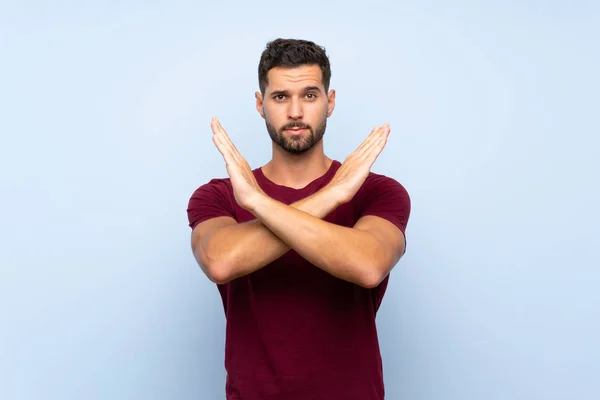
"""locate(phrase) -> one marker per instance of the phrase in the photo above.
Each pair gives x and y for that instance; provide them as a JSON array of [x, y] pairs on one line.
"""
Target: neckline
[[263, 180]]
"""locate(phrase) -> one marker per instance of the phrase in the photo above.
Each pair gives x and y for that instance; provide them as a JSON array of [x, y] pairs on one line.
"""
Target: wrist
[[331, 195], [258, 202]]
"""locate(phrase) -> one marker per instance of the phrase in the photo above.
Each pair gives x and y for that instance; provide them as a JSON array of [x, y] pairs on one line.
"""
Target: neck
[[296, 170]]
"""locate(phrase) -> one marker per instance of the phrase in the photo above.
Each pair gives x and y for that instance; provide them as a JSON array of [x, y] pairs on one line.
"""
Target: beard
[[300, 143]]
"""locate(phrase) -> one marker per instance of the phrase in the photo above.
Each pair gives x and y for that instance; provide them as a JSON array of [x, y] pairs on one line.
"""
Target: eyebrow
[[305, 90]]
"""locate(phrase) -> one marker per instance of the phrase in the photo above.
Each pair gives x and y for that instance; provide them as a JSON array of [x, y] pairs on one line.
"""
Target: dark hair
[[290, 53]]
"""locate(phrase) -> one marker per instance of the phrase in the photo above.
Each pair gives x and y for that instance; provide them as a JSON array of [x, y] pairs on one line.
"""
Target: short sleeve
[[386, 198], [211, 200]]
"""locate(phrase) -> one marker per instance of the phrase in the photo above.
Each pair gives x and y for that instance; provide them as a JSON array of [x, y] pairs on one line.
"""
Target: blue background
[[104, 120]]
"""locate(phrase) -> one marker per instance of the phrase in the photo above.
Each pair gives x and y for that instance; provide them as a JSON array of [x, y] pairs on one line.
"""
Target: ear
[[259, 104], [330, 102]]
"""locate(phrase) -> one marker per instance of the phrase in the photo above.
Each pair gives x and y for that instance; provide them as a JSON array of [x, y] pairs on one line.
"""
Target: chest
[[344, 215]]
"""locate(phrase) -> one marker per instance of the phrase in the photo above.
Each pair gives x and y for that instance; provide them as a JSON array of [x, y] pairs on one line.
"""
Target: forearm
[[240, 249], [347, 253]]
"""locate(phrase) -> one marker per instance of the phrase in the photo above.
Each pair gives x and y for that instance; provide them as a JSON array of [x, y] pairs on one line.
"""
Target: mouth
[[295, 131]]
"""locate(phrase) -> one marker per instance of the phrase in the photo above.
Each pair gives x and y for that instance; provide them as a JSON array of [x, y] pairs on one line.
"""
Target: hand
[[245, 186], [356, 167]]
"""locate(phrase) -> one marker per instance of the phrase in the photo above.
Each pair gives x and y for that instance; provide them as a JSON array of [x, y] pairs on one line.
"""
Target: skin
[[311, 108], [363, 254]]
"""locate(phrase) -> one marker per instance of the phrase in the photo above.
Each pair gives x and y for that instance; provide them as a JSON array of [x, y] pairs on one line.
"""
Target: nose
[[295, 109]]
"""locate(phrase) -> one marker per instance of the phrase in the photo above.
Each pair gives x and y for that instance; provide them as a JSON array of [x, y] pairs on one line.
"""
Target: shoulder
[[214, 186], [215, 191], [212, 199], [378, 184], [384, 197]]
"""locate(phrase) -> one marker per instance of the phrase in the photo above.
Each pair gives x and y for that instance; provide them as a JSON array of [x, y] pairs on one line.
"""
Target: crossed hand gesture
[[346, 182]]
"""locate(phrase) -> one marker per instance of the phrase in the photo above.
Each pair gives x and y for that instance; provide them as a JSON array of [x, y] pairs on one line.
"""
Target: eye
[[311, 96], [279, 97]]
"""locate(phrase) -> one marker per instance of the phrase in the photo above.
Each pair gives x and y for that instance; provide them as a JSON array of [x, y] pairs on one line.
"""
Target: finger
[[375, 144], [228, 142], [219, 128], [223, 149], [360, 149], [371, 140], [224, 142], [376, 147], [214, 125], [219, 147], [367, 139], [381, 138], [375, 135], [221, 144]]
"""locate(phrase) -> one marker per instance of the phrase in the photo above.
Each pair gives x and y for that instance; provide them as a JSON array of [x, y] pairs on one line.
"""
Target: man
[[301, 248]]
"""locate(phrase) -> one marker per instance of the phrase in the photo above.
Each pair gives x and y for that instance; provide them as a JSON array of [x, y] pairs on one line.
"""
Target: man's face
[[295, 107]]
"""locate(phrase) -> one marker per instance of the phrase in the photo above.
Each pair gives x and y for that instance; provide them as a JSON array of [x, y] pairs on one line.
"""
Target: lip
[[295, 130]]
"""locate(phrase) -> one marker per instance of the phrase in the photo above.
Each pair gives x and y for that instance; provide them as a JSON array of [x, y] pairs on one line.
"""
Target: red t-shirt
[[295, 332]]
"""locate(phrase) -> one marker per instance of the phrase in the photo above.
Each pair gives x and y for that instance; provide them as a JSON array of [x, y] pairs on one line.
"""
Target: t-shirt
[[294, 331]]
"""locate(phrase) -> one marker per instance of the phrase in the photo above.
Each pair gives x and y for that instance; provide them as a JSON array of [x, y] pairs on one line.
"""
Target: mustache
[[293, 125]]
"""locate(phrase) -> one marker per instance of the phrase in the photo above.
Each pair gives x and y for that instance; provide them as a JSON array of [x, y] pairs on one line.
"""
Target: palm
[[356, 167], [243, 184], [245, 187]]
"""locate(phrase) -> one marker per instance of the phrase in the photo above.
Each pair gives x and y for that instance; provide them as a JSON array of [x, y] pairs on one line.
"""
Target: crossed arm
[[363, 254]]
